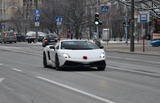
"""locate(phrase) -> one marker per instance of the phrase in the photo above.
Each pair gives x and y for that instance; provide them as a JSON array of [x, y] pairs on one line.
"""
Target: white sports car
[[74, 53]]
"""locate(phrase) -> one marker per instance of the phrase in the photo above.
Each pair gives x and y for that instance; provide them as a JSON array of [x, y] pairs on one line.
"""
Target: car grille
[[78, 64]]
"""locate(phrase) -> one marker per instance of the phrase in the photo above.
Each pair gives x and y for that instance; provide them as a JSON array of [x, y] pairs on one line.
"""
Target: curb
[[132, 52]]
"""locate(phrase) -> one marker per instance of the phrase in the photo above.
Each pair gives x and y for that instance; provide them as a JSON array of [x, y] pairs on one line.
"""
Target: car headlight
[[102, 56], [65, 55]]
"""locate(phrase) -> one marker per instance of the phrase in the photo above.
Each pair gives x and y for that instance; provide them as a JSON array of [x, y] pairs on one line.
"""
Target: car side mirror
[[52, 47], [101, 47]]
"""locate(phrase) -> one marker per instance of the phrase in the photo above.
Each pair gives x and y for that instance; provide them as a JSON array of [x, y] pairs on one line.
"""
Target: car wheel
[[44, 61], [57, 63], [101, 68]]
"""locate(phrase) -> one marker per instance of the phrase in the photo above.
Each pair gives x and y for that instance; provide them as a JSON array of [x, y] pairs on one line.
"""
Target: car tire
[[101, 68], [44, 61], [57, 63]]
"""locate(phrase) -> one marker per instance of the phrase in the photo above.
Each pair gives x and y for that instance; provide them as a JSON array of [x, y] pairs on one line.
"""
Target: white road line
[[154, 62], [76, 90], [1, 79], [134, 71], [15, 69]]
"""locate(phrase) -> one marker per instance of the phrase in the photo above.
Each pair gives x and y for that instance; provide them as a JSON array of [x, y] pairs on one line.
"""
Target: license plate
[[52, 40]]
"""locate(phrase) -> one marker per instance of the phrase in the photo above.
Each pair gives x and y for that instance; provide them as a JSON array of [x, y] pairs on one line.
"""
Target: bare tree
[[48, 15], [116, 17], [75, 16], [17, 21]]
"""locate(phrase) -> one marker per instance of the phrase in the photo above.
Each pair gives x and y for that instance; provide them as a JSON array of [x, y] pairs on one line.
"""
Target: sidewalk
[[123, 47]]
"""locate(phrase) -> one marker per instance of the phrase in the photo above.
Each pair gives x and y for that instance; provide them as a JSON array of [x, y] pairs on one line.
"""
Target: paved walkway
[[123, 47]]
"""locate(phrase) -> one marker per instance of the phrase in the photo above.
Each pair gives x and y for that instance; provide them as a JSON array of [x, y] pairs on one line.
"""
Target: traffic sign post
[[37, 17], [37, 12], [143, 18], [36, 21], [104, 8], [59, 20]]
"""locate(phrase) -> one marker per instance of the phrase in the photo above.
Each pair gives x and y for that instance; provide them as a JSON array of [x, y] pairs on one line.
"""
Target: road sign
[[3, 24], [143, 18], [37, 24], [36, 19], [105, 2], [59, 19], [37, 12], [104, 8]]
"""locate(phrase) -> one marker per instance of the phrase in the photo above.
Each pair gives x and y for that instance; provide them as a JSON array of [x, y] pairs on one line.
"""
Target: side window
[[57, 46]]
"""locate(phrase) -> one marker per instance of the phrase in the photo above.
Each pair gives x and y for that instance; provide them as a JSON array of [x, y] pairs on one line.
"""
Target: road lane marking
[[75, 90], [1, 79], [154, 62], [15, 69], [135, 71], [19, 51]]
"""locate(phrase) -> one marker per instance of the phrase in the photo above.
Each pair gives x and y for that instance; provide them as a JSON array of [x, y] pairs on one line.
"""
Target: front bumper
[[101, 63]]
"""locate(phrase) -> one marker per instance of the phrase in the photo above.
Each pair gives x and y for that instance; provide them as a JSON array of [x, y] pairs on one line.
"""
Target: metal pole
[[143, 31], [132, 27], [98, 24], [127, 26], [36, 40], [97, 32]]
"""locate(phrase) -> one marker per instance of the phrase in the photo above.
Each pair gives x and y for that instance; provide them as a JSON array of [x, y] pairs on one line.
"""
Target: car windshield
[[78, 45], [10, 34], [52, 36]]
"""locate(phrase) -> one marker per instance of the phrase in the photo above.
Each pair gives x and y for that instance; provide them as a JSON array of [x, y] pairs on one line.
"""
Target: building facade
[[8, 8]]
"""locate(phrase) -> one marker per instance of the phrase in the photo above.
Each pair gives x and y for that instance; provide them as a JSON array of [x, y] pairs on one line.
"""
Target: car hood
[[78, 54]]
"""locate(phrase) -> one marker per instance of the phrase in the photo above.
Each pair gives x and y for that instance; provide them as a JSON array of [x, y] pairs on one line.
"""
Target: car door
[[53, 52]]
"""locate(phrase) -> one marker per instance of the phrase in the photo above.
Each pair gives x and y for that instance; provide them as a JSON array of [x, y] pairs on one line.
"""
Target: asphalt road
[[129, 78]]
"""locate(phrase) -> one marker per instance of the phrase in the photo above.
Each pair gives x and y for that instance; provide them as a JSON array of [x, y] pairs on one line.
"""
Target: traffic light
[[96, 20], [100, 22]]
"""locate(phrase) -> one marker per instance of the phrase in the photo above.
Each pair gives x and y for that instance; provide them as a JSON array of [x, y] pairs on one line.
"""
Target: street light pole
[[97, 27], [132, 27]]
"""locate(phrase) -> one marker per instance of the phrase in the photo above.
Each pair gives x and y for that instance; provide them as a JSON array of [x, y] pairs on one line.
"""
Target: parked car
[[31, 36], [8, 37], [155, 43], [50, 39], [74, 53], [1, 38], [20, 38]]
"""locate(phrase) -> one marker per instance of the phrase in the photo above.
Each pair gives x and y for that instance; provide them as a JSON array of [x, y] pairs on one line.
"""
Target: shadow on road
[[80, 69]]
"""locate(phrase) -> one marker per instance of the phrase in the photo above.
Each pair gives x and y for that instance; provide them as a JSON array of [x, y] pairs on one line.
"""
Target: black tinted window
[[10, 34], [78, 45], [52, 36]]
